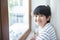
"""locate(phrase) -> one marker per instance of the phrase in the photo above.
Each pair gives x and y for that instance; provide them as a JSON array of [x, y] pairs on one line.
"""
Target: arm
[[43, 36]]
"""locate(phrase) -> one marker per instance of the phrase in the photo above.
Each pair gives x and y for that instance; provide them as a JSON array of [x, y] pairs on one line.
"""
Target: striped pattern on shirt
[[47, 33]]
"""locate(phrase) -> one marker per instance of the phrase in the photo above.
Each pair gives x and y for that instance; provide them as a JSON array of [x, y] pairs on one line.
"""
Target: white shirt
[[46, 33]]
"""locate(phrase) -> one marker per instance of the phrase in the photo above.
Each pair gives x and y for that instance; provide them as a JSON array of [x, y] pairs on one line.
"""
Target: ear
[[48, 18]]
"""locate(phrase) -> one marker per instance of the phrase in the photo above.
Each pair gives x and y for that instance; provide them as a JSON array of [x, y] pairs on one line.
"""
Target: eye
[[36, 16]]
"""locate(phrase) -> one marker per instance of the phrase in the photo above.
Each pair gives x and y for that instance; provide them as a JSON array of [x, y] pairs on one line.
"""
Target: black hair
[[43, 10]]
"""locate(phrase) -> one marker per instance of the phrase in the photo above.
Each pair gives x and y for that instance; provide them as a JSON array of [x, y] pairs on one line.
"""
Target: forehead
[[38, 15]]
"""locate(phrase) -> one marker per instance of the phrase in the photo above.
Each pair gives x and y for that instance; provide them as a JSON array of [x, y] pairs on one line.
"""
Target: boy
[[45, 31]]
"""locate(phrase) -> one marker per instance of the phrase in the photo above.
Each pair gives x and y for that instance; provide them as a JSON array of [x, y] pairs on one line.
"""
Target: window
[[15, 19], [18, 11]]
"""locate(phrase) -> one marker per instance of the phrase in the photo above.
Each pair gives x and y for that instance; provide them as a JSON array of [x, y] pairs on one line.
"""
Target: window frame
[[5, 22]]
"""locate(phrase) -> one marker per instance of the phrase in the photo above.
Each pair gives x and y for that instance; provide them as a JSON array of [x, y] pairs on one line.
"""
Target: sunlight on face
[[40, 20]]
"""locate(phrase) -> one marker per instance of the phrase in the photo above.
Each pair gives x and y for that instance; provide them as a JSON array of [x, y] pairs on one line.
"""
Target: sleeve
[[43, 36]]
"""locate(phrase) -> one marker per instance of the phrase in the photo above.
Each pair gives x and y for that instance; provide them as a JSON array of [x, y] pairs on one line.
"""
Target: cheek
[[42, 20]]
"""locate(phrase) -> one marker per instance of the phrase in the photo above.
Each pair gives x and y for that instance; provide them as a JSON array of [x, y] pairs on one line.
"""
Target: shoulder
[[49, 28], [47, 32]]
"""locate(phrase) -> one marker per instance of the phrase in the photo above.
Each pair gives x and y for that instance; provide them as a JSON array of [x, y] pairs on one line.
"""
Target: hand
[[34, 37]]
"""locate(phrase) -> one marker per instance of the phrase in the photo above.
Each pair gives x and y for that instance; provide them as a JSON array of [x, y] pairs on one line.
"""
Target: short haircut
[[42, 10]]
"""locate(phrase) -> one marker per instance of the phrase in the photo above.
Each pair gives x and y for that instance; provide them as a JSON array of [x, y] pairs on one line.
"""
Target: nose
[[37, 18]]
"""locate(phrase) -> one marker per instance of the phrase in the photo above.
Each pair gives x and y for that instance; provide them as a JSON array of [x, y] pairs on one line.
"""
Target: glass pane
[[18, 14]]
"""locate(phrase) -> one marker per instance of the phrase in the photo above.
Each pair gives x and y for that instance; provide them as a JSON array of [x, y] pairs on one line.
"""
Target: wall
[[55, 7], [55, 10], [58, 19]]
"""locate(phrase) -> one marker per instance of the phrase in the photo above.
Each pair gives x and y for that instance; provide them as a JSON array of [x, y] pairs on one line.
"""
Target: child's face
[[40, 20]]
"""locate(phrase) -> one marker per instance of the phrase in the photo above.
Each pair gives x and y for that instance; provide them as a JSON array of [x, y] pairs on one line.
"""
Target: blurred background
[[16, 20]]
